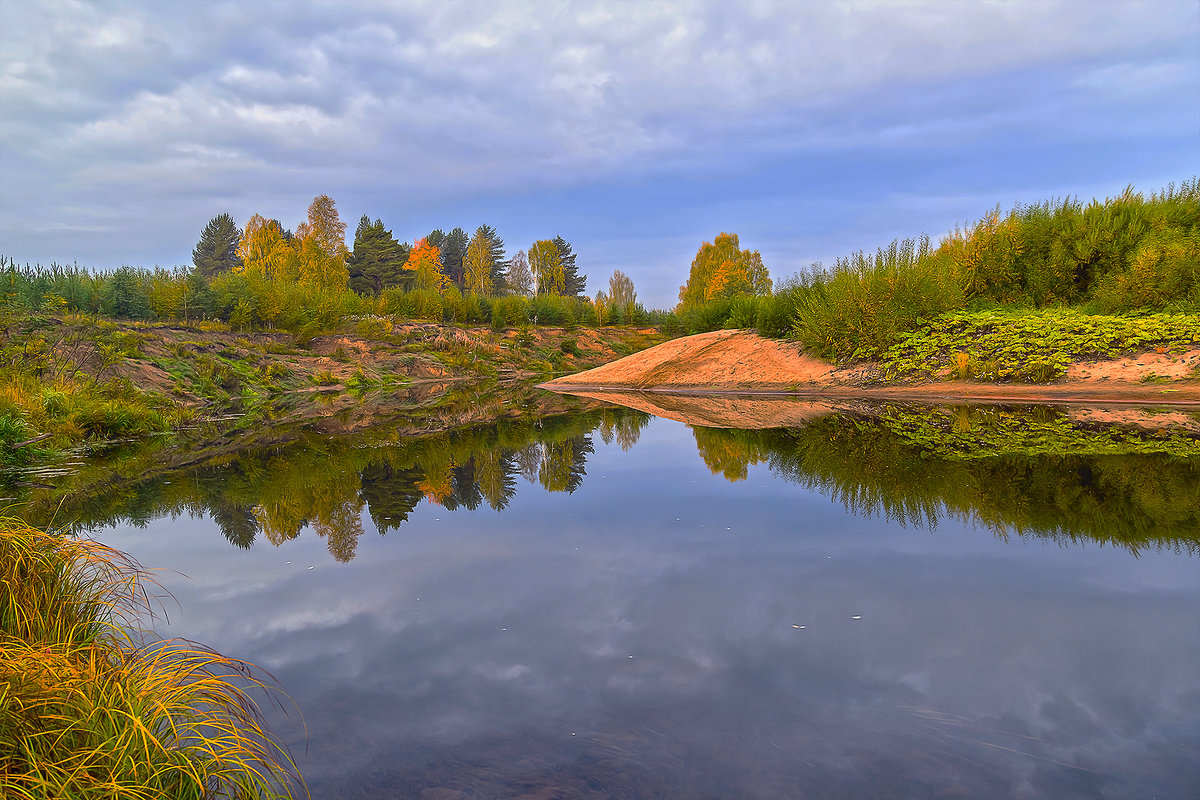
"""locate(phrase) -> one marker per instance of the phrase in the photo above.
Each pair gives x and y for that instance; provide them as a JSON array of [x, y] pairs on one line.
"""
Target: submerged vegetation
[[91, 708]]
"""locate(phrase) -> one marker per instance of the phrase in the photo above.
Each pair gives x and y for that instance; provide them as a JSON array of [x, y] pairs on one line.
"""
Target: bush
[[509, 311]]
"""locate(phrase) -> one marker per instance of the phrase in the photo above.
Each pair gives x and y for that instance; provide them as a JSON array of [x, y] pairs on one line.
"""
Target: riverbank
[[732, 361], [75, 381], [95, 706]]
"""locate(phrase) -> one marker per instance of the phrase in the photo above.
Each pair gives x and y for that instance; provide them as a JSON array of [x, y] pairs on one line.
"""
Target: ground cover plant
[[93, 707], [1030, 346]]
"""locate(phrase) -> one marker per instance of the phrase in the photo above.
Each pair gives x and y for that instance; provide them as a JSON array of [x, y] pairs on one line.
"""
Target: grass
[[93, 707]]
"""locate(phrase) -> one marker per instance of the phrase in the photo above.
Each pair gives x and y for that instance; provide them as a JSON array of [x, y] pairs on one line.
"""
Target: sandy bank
[[743, 362]]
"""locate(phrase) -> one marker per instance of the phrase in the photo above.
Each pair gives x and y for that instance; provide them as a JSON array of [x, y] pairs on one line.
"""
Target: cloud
[[434, 104]]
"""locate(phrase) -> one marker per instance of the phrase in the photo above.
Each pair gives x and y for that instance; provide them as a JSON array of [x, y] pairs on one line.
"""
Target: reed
[[92, 706]]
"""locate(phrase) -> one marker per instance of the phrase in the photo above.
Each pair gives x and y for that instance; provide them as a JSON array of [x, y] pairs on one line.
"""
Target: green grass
[[92, 707]]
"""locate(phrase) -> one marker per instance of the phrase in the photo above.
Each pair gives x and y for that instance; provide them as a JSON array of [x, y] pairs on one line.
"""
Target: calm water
[[845, 610]]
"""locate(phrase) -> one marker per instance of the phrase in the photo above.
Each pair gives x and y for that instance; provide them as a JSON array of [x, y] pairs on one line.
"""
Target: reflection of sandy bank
[[723, 411]]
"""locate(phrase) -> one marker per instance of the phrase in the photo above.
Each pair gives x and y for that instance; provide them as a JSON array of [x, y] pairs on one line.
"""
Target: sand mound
[[739, 361]]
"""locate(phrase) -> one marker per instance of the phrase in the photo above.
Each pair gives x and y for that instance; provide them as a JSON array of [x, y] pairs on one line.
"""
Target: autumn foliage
[[721, 269]]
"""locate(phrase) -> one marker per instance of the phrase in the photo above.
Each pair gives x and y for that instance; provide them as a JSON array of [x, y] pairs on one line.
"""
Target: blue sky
[[634, 130]]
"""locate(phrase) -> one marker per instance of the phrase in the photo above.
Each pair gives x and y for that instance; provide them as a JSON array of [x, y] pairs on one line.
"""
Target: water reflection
[[664, 631], [1066, 474]]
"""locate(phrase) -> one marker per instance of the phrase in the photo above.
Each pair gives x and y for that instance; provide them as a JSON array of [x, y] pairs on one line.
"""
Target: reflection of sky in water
[[638, 638]]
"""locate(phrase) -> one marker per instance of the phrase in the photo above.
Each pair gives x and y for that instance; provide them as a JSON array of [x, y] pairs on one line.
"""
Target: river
[[611, 605]]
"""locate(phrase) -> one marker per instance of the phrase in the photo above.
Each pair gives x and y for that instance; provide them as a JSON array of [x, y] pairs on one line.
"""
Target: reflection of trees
[[625, 426], [916, 467], [529, 461], [728, 452], [496, 472], [325, 483], [391, 492], [563, 464], [237, 524], [1026, 471]]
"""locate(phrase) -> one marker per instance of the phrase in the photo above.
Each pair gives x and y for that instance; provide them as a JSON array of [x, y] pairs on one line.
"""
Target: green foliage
[[1126, 254], [216, 252], [867, 302], [378, 261], [509, 311], [1034, 347], [554, 309]]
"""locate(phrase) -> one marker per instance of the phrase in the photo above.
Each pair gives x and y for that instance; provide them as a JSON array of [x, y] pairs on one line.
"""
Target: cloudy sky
[[636, 130]]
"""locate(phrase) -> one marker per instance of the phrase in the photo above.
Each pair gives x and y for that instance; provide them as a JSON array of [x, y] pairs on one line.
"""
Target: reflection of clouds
[[1000, 669]]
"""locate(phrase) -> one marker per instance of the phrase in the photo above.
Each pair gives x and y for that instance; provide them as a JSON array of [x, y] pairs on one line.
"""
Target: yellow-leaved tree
[[722, 269], [265, 251], [478, 264], [545, 260], [323, 251]]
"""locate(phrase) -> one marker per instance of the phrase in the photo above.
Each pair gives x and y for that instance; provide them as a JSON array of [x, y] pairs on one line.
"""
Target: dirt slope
[[739, 361]]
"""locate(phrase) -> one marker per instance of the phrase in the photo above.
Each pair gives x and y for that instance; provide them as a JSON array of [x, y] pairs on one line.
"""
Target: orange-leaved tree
[[426, 263]]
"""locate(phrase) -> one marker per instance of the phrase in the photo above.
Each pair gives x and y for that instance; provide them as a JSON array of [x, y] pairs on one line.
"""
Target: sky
[[635, 130]]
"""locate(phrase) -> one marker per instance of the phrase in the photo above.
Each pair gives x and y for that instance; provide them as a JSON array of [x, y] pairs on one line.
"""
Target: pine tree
[[378, 261], [216, 252], [573, 282]]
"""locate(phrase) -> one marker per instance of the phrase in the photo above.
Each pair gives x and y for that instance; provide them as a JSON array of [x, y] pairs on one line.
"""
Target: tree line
[[267, 275]]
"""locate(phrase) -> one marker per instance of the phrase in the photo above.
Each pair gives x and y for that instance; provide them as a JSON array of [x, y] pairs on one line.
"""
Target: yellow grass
[[91, 706]]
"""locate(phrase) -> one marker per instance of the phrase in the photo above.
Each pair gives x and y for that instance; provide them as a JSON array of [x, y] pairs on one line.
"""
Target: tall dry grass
[[93, 706]]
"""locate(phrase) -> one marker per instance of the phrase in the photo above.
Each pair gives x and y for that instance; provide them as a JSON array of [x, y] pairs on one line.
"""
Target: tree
[[573, 282], [216, 252], [520, 279], [323, 245], [267, 250], [477, 267], [499, 264], [454, 250], [545, 259], [426, 264], [622, 295], [722, 269], [378, 261]]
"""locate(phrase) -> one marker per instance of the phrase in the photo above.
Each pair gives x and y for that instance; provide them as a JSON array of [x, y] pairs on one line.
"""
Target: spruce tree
[[216, 252]]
